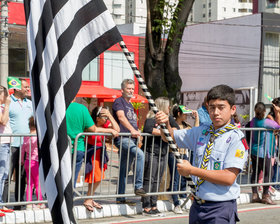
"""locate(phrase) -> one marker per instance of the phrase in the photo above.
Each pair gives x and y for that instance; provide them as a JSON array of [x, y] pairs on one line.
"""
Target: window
[[116, 68], [225, 9], [203, 15], [209, 4], [242, 10], [17, 62], [204, 6], [91, 71], [233, 9]]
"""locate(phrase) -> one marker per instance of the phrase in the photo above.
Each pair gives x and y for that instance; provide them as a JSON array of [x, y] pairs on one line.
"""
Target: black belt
[[201, 201]]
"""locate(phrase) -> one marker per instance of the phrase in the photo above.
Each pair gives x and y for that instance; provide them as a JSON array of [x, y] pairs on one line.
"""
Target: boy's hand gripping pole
[[172, 146]]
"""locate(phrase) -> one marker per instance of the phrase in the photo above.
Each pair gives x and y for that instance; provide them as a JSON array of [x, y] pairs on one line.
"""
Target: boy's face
[[220, 112]]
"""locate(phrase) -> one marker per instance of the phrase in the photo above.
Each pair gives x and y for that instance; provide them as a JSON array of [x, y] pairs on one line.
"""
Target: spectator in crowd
[[20, 111], [30, 149], [262, 150], [203, 114], [220, 152], [97, 157], [125, 116], [78, 120], [235, 120], [5, 128], [155, 157], [178, 183], [274, 115]]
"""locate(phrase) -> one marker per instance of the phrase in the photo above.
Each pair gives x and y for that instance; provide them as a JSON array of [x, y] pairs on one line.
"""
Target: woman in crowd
[[177, 182], [274, 115], [262, 150], [97, 158], [155, 156], [4, 143]]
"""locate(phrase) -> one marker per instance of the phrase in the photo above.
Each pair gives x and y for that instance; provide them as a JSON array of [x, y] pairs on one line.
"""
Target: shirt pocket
[[198, 156], [217, 160]]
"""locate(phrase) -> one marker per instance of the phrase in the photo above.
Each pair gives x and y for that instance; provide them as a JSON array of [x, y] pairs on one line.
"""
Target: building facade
[[212, 10], [117, 9], [271, 6], [242, 52]]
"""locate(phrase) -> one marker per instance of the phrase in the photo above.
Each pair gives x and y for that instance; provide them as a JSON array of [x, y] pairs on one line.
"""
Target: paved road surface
[[248, 214]]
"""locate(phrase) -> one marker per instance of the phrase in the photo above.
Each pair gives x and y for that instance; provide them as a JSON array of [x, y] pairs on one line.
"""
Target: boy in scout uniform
[[220, 151]]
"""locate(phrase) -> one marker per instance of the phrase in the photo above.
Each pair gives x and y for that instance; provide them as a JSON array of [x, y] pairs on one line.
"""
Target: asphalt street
[[248, 214]]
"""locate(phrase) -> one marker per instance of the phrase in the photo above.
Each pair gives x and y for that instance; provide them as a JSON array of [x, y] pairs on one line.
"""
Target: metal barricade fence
[[18, 180], [265, 158], [109, 184]]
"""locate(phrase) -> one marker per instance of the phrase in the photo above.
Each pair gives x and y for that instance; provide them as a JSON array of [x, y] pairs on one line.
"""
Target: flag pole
[[171, 143]]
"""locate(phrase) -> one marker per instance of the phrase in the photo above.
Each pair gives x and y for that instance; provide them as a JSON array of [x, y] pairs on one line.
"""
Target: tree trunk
[[154, 76], [161, 62], [154, 57], [172, 78]]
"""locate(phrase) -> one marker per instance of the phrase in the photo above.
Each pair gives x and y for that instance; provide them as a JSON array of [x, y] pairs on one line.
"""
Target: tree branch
[[159, 54]]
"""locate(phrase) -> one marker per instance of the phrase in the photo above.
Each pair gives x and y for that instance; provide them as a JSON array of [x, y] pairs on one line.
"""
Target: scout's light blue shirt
[[227, 152], [19, 114]]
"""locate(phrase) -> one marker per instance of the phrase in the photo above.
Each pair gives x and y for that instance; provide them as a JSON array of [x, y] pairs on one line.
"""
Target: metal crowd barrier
[[9, 195], [108, 186], [244, 179]]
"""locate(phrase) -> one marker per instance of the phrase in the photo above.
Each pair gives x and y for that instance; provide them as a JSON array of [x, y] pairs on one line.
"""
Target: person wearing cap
[[19, 113], [177, 183]]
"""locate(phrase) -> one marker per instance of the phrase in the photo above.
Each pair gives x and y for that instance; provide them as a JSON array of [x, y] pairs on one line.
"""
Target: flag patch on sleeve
[[239, 153], [244, 142]]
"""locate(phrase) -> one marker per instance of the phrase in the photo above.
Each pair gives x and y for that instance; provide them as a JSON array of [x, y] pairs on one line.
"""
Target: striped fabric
[[209, 147], [63, 37], [152, 104]]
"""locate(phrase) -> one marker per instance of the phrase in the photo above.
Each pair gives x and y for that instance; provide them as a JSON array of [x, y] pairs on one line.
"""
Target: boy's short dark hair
[[222, 92]]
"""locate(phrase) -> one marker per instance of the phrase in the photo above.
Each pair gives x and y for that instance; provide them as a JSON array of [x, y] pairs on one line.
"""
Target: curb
[[111, 210]]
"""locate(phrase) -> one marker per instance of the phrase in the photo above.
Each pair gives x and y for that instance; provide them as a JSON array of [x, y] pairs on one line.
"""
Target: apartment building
[[211, 10], [270, 6], [117, 9]]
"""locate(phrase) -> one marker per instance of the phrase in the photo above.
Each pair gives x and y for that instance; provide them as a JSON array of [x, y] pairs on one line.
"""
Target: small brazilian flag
[[13, 83]]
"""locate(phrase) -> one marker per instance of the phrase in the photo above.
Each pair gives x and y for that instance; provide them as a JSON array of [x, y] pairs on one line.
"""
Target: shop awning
[[108, 94]]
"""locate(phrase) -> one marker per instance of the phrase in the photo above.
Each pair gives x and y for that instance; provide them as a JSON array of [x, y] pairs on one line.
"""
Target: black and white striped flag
[[63, 37]]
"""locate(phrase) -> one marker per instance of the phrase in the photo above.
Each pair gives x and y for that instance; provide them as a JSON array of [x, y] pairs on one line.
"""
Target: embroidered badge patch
[[200, 142], [228, 140], [244, 142], [239, 153], [217, 165]]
